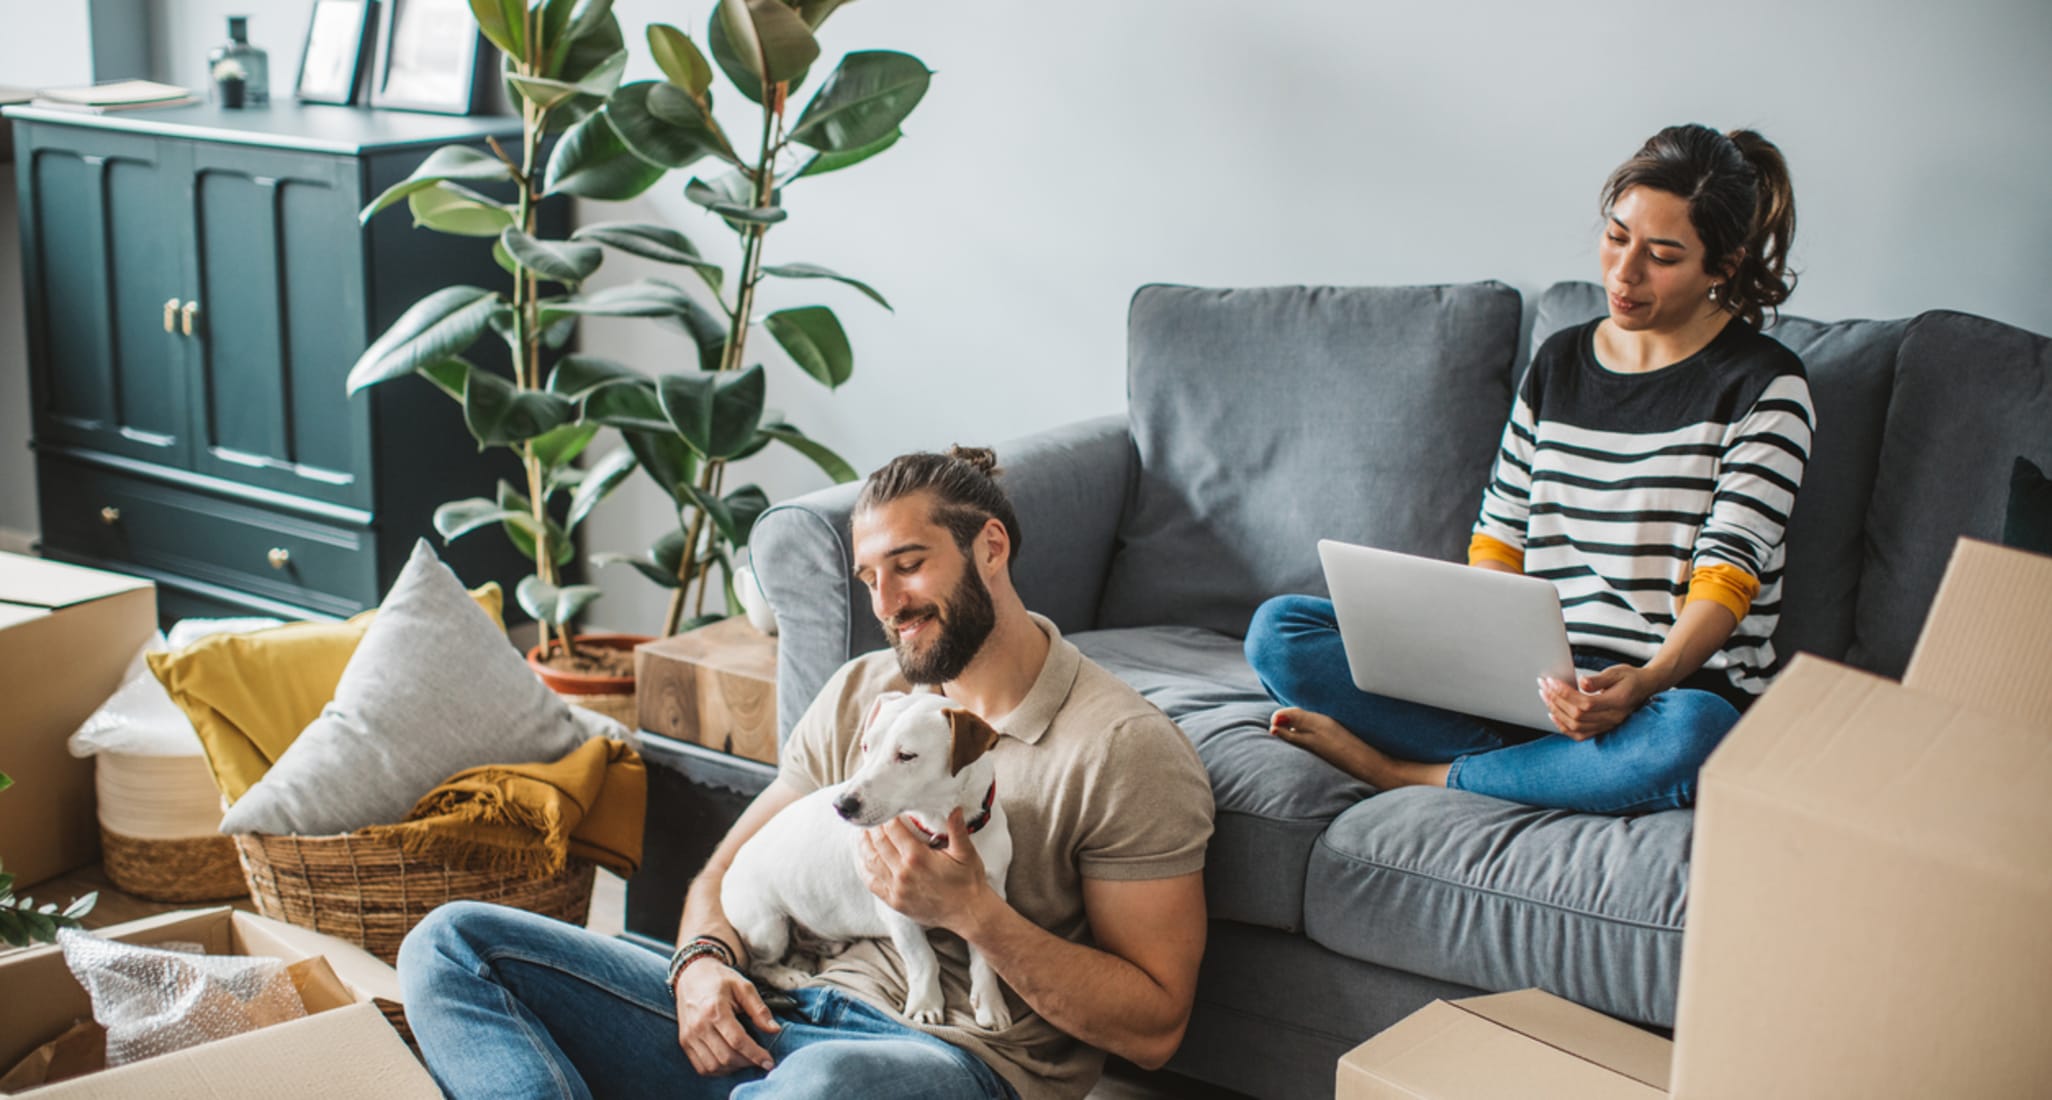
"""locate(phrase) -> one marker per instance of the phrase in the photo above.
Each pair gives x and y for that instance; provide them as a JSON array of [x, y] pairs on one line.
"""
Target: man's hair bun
[[983, 458]]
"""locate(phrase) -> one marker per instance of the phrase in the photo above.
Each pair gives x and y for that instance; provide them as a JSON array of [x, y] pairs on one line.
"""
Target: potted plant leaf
[[22, 921], [562, 60], [686, 428]]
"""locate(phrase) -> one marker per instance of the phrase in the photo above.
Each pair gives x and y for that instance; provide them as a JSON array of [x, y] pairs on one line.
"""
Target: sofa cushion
[[1970, 396], [1851, 368], [1272, 799], [1473, 890], [1266, 419]]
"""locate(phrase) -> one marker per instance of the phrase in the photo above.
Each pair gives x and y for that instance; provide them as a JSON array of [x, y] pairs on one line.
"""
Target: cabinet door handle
[[171, 316], [185, 316], [110, 515], [279, 557]]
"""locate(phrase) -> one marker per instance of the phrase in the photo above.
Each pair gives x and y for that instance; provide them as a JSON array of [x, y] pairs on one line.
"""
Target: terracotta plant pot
[[612, 696]]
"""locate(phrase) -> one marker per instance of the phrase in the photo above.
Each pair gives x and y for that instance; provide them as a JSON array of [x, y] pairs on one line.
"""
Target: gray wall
[[1071, 150]]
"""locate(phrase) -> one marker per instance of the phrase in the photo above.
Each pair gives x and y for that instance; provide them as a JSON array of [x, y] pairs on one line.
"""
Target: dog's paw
[[925, 1008], [833, 948], [786, 978], [993, 1016]]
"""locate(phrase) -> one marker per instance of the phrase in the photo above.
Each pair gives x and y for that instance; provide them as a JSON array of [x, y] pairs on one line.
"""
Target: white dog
[[922, 757]]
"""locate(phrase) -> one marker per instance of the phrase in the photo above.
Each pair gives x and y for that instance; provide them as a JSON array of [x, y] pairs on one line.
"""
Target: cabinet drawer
[[277, 555]]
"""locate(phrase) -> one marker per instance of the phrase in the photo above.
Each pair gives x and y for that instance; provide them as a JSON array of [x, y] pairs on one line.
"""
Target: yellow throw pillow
[[249, 695]]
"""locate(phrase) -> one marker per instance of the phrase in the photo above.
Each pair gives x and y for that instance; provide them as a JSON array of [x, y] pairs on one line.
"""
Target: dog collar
[[982, 818]]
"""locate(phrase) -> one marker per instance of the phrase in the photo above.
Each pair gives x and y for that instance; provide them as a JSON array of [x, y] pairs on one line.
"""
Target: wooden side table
[[715, 686]]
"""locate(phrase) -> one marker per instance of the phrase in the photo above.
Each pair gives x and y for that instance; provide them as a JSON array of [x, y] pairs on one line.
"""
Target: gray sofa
[[1261, 420]]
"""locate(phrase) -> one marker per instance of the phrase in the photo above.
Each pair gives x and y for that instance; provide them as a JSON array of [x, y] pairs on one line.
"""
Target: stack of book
[[119, 95]]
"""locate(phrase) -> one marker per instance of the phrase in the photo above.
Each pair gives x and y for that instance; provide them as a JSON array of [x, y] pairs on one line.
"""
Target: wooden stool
[[715, 686]]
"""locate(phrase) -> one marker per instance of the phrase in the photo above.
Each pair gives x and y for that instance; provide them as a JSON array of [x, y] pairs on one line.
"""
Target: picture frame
[[429, 53], [338, 36]]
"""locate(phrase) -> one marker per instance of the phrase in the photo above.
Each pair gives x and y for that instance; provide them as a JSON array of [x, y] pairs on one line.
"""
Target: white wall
[[1071, 150]]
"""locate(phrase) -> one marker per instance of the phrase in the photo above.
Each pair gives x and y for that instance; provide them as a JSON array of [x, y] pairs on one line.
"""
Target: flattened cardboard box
[[1529, 1044], [348, 1053], [1872, 867], [66, 635]]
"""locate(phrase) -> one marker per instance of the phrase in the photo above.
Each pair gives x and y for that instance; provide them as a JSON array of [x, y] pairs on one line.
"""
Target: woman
[[1648, 470]]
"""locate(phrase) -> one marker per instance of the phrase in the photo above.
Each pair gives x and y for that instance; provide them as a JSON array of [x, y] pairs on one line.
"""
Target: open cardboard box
[[343, 1049], [67, 634], [1868, 890]]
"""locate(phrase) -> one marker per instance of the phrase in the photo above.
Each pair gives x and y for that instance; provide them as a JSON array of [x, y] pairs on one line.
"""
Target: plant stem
[[527, 341]]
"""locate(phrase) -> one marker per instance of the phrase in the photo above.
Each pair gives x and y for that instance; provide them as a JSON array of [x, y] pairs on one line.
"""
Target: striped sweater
[[1634, 493]]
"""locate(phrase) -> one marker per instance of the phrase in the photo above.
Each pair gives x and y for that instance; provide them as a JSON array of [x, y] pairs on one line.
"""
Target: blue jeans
[[506, 1003], [1649, 762]]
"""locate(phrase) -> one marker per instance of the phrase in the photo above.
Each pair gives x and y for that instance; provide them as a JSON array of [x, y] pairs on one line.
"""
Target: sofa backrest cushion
[[1851, 367], [1267, 419], [1971, 395]]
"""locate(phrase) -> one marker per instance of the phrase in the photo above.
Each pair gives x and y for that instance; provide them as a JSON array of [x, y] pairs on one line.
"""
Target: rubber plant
[[686, 428], [563, 58], [22, 921]]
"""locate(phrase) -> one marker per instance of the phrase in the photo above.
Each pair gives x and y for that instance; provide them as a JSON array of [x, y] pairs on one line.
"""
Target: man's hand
[[711, 999], [1602, 703], [935, 887]]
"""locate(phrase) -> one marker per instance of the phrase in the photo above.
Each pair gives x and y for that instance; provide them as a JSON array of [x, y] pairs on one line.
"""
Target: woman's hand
[[1604, 701]]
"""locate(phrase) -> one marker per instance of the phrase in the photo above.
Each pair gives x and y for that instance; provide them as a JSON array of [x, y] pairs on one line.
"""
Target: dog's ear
[[971, 738], [875, 708]]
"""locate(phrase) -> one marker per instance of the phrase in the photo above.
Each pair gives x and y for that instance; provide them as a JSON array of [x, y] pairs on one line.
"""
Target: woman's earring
[[1713, 291]]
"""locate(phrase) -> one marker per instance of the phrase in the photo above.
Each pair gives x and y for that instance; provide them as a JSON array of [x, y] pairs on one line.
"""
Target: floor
[[608, 912]]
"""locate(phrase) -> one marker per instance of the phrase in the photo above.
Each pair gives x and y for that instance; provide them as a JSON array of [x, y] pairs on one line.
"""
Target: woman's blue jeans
[[507, 1003], [1647, 763]]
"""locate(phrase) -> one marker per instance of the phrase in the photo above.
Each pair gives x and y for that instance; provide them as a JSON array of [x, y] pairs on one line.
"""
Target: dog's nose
[[848, 806]]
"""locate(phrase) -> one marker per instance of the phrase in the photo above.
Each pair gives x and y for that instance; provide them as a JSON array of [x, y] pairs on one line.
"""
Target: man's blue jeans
[[506, 1003], [1647, 763]]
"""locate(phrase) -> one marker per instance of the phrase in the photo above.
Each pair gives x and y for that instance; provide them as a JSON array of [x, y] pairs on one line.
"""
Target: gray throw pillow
[[433, 688]]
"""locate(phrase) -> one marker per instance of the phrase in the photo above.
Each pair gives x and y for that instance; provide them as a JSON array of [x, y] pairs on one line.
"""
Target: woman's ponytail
[[1762, 279]]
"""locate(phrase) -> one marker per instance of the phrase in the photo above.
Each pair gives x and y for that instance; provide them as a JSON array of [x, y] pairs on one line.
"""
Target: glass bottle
[[237, 56]]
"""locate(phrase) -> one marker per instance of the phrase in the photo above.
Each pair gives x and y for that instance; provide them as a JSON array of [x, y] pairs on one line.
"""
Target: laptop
[[1454, 636]]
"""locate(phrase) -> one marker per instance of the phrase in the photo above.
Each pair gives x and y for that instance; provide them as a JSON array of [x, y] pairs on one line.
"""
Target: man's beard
[[962, 629]]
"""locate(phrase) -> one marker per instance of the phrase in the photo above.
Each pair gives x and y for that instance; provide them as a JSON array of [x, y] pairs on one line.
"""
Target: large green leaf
[[590, 32], [567, 262], [522, 535], [679, 59], [504, 23], [652, 242], [816, 342], [761, 43], [833, 465], [447, 375], [667, 459], [814, 271], [604, 476], [867, 96], [547, 93], [661, 124], [575, 376], [499, 413], [640, 298], [732, 197], [560, 445], [822, 163], [452, 208], [664, 561], [460, 517], [815, 12], [650, 570], [734, 515], [450, 162], [716, 412], [629, 406], [592, 162], [553, 605], [436, 327]]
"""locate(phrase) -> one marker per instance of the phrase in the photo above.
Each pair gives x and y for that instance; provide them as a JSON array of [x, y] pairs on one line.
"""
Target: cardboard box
[[66, 636], [1872, 868], [345, 1052], [1529, 1044]]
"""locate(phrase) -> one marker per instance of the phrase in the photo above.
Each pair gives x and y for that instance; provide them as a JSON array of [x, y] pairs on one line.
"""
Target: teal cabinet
[[197, 288]]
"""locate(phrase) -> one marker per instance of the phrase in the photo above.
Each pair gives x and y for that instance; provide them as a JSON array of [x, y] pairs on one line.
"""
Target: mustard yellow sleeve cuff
[[1727, 586], [1484, 548]]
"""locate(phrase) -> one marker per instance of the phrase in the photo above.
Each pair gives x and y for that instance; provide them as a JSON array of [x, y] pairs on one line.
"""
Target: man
[[1098, 941]]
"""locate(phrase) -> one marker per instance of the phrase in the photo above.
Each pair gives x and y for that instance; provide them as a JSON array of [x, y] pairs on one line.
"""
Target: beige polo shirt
[[1095, 782]]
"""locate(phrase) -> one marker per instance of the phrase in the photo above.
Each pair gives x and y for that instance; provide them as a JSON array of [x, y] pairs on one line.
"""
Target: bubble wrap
[[154, 1001]]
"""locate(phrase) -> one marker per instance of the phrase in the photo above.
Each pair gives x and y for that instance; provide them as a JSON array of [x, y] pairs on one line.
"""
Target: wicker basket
[[181, 869], [371, 893]]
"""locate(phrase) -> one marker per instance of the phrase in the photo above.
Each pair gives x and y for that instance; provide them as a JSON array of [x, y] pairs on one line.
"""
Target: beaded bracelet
[[693, 950]]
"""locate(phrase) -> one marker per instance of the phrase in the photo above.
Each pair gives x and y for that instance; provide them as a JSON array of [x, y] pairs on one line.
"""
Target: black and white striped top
[[1624, 489]]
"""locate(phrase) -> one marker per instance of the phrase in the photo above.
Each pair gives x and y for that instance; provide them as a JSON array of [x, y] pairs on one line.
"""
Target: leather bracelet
[[688, 953]]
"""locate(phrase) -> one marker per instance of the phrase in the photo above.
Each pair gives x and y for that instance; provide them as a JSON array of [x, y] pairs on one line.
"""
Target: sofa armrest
[[1069, 485]]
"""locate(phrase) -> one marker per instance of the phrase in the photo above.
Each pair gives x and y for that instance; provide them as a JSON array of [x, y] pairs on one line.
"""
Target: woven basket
[[182, 869], [371, 893]]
